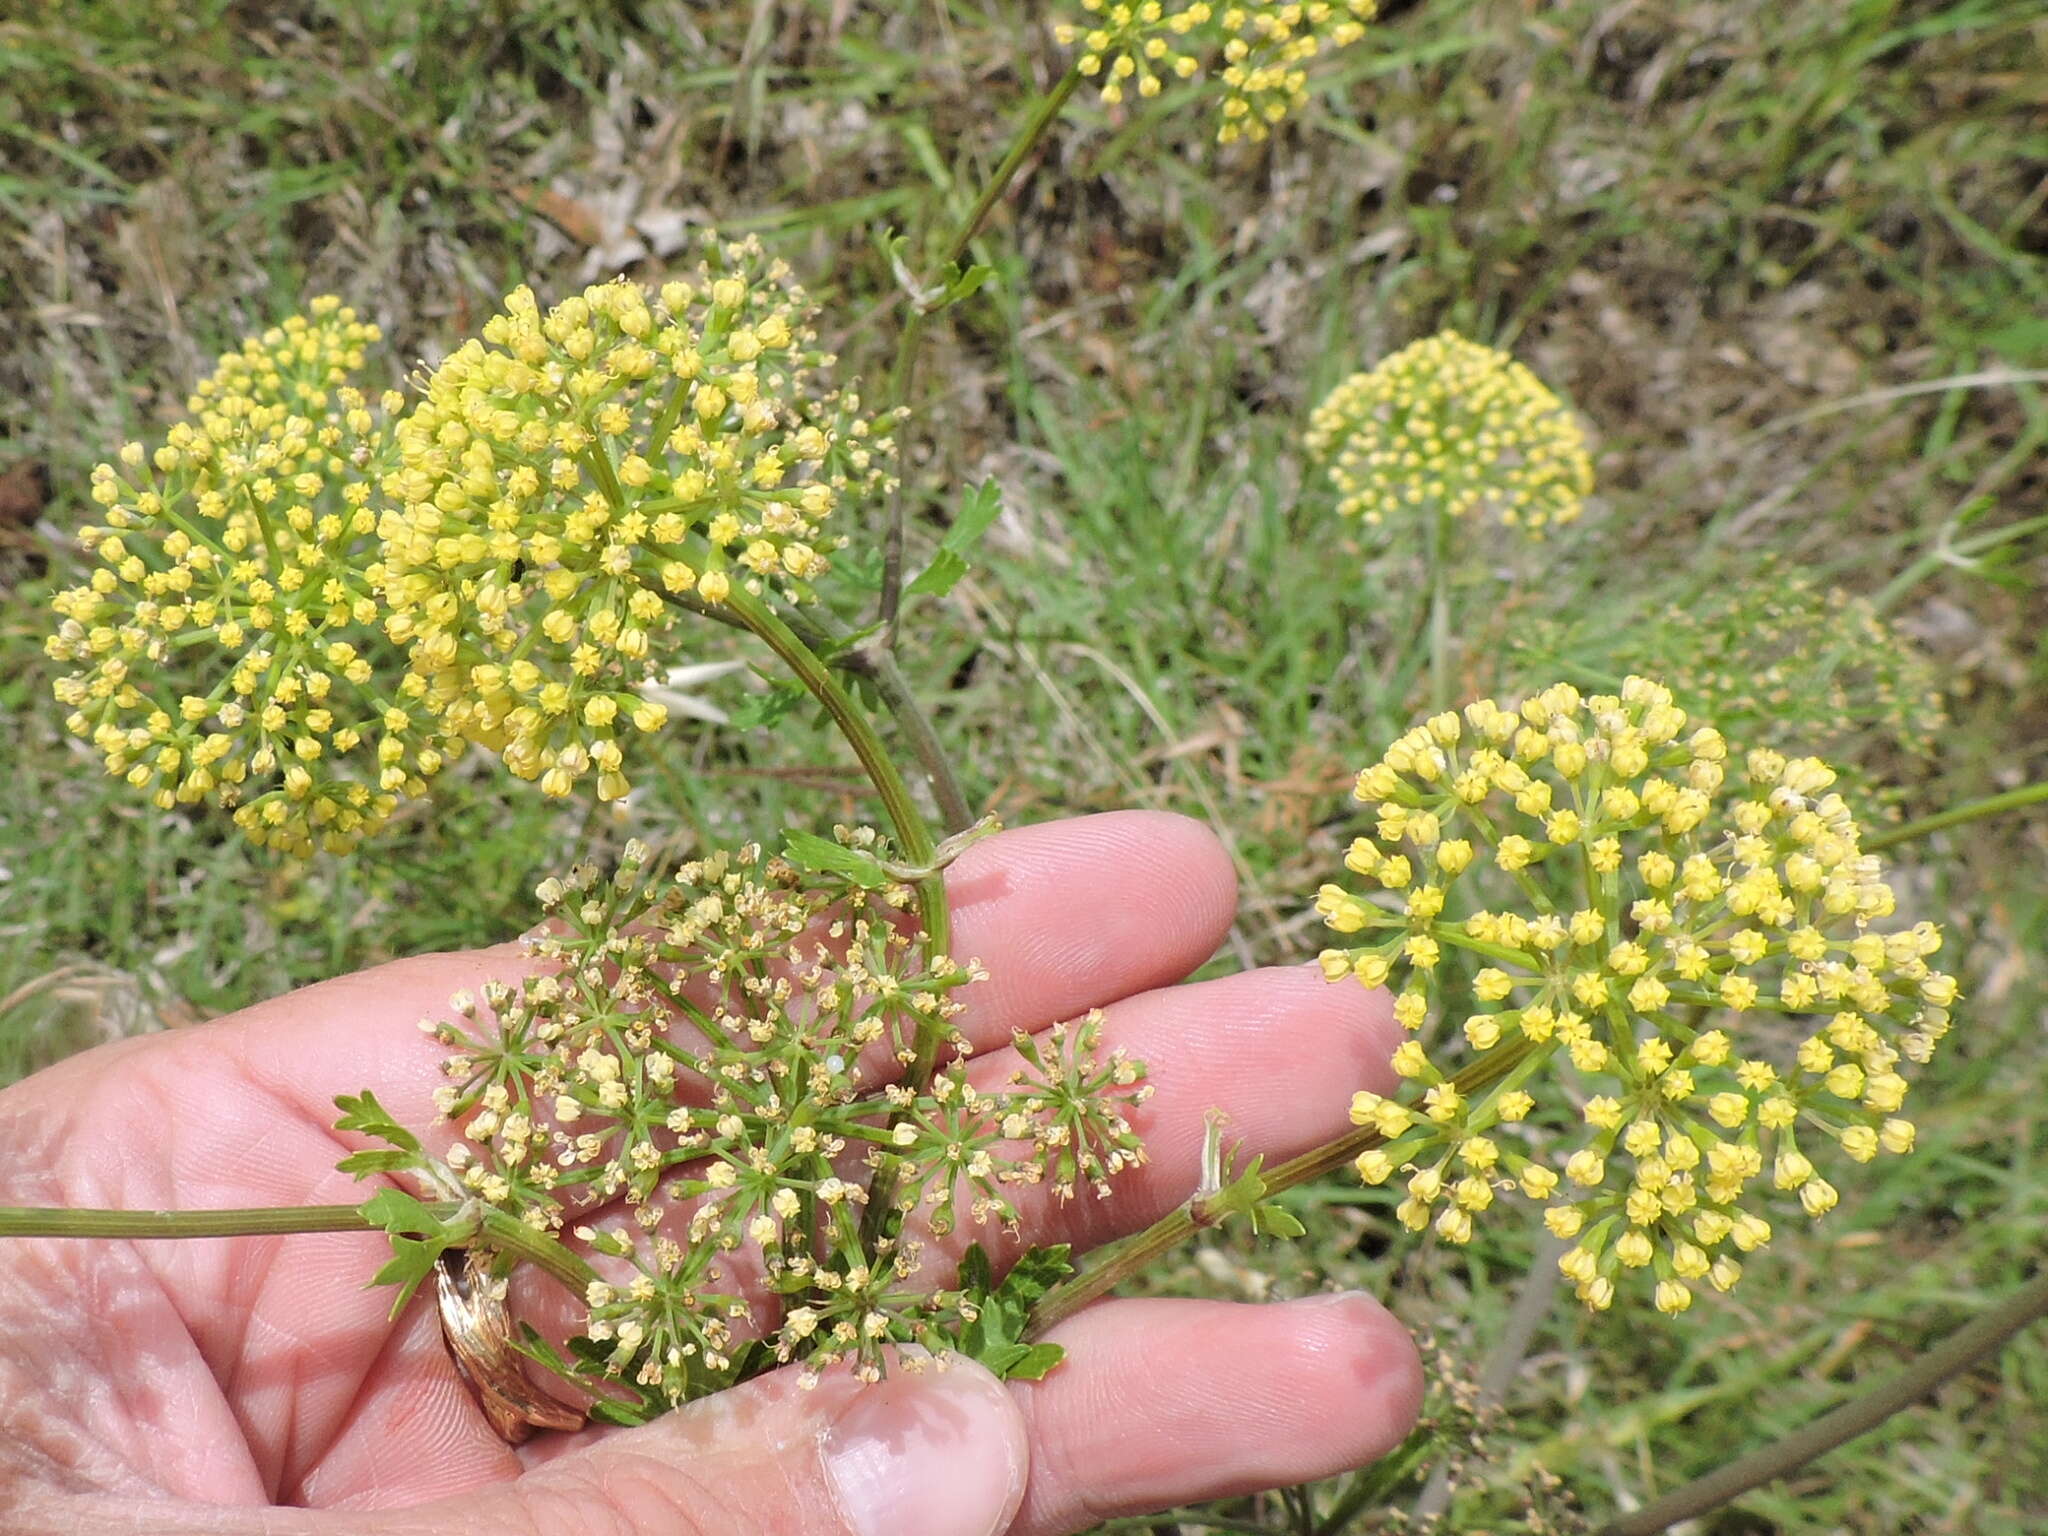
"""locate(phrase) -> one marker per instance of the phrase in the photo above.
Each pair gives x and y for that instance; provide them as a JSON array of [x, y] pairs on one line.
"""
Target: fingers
[[1066, 916], [1279, 1052], [1158, 1403], [923, 1453], [1170, 1402], [1072, 915]]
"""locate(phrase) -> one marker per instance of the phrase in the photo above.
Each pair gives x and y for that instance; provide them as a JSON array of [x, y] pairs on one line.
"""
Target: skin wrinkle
[[243, 1290], [455, 1454]]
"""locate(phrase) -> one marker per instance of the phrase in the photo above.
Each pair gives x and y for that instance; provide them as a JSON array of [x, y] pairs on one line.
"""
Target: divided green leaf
[[1003, 1312], [821, 855], [976, 515]]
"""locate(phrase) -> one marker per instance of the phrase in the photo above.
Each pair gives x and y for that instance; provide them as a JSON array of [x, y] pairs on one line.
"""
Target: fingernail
[[937, 1453]]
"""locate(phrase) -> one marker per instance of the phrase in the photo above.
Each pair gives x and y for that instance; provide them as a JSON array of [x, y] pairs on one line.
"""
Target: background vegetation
[[1788, 257]]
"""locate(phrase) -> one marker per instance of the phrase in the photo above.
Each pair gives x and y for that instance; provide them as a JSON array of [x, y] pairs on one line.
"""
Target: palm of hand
[[258, 1371]]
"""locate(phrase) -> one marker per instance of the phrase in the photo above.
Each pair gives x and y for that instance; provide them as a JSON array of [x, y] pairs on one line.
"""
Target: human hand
[[254, 1385]]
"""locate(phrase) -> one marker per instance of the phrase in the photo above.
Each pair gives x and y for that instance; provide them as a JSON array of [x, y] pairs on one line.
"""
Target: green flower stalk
[[572, 476], [1258, 50], [228, 646], [1701, 970], [711, 1057]]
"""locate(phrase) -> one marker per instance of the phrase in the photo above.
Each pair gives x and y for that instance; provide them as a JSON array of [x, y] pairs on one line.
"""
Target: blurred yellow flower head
[[1447, 425], [1258, 50], [1697, 970], [573, 476], [227, 645]]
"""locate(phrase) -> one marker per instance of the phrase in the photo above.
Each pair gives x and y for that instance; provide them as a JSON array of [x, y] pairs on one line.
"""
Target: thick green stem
[[1974, 1341], [28, 1221], [500, 1231], [1956, 815], [913, 836], [819, 630], [1121, 1260], [879, 668]]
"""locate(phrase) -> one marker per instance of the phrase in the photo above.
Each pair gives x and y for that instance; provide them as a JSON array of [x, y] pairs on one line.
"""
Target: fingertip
[[1076, 914], [1168, 1402], [1366, 1361], [1176, 851], [935, 1453]]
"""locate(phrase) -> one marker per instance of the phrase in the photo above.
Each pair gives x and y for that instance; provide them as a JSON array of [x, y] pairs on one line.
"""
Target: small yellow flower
[[228, 646], [572, 476], [1257, 49], [1721, 1031], [1449, 426]]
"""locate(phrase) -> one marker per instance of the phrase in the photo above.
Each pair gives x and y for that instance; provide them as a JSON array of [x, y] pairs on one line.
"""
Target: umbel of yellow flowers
[[573, 475], [228, 644], [1688, 960], [1259, 51], [1447, 426], [305, 604]]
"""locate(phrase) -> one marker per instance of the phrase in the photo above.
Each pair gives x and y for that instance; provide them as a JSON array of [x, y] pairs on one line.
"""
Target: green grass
[[1744, 238]]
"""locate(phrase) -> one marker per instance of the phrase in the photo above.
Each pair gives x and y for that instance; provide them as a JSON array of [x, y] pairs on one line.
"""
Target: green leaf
[[419, 1236], [976, 1277], [1276, 1221], [363, 1113], [821, 855], [1035, 1273], [767, 708], [1034, 1362], [626, 1415], [396, 1212], [1003, 1312], [412, 1260], [380, 1160], [977, 513], [964, 282]]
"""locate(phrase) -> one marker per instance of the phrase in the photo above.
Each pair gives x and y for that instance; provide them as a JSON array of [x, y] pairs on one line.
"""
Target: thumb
[[936, 1449]]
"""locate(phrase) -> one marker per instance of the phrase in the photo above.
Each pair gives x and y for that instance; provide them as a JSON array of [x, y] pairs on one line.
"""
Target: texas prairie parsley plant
[[701, 1081], [1767, 646], [1648, 985], [1258, 51], [1447, 427], [228, 644], [574, 474]]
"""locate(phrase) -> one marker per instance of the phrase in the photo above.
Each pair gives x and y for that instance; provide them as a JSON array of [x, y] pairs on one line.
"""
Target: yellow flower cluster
[[1691, 959], [1263, 47], [1446, 425], [571, 476], [227, 642]]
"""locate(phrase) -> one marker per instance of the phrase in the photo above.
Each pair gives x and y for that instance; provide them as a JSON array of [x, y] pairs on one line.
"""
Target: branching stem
[[1956, 815], [903, 369], [1121, 1260]]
